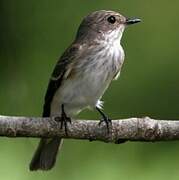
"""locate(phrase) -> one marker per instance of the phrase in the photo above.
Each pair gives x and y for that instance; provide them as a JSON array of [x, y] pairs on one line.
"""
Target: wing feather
[[61, 72]]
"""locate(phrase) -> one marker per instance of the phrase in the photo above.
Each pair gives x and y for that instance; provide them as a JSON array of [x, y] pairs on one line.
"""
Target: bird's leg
[[104, 119], [64, 119]]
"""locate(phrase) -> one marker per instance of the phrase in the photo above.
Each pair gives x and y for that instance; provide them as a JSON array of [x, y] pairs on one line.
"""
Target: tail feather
[[45, 155]]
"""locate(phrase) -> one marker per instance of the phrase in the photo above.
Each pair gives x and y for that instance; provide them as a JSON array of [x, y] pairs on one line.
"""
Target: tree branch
[[132, 129]]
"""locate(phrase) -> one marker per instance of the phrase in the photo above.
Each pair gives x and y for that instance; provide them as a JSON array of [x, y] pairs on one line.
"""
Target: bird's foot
[[64, 120], [104, 119], [107, 121]]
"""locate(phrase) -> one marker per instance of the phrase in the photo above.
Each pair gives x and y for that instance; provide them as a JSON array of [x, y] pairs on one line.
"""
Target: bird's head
[[104, 25]]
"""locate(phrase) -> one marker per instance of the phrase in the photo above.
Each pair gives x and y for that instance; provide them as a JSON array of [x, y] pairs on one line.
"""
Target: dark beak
[[130, 21]]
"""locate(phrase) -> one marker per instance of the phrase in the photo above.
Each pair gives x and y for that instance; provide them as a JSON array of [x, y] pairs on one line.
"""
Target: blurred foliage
[[33, 34]]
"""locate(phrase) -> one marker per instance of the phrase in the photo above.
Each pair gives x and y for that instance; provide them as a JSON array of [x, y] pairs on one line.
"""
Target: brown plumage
[[82, 75]]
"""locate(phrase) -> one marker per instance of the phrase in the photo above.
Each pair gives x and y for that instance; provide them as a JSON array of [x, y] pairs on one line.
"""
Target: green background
[[33, 34]]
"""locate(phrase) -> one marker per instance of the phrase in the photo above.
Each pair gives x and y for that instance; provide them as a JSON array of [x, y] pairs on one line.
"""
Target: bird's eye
[[111, 19]]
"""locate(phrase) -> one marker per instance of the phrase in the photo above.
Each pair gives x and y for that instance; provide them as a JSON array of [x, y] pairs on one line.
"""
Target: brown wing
[[58, 74]]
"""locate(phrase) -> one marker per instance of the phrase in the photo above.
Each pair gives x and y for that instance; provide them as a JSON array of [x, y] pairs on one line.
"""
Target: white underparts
[[93, 74]]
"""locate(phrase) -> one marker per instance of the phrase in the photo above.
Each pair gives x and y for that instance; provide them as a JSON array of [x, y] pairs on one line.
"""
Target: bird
[[82, 75]]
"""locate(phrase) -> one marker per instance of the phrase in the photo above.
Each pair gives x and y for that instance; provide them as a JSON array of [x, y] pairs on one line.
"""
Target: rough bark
[[132, 129]]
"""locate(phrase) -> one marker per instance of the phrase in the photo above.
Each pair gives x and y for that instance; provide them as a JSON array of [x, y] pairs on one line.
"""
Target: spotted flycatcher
[[82, 75]]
